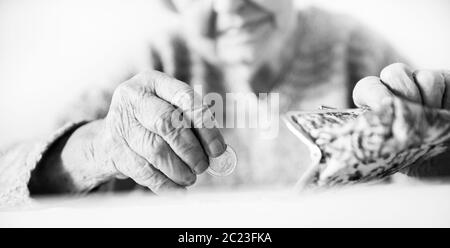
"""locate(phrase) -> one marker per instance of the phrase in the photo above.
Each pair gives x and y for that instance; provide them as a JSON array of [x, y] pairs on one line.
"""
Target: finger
[[370, 92], [183, 96], [432, 87], [446, 98], [399, 79], [436, 167], [156, 151], [160, 117], [143, 173], [210, 137]]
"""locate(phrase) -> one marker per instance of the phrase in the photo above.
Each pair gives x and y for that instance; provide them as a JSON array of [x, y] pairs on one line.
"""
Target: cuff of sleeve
[[17, 164]]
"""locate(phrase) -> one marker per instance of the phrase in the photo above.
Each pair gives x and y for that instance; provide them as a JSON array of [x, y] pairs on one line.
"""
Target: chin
[[246, 54], [237, 58]]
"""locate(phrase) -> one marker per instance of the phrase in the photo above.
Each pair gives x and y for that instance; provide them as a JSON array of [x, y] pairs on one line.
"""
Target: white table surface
[[420, 205]]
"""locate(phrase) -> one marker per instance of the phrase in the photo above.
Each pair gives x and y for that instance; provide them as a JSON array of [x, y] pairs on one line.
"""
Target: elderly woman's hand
[[143, 138], [428, 87]]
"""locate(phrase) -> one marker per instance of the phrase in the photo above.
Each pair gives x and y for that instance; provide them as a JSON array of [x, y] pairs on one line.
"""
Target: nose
[[228, 6]]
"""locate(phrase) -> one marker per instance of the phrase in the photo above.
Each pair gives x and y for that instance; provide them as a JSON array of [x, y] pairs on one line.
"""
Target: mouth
[[249, 30], [253, 25]]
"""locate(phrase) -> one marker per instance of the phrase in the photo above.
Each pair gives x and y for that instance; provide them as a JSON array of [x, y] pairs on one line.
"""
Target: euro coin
[[224, 164]]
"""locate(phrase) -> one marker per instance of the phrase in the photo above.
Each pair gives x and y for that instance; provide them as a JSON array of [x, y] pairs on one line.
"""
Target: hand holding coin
[[224, 164]]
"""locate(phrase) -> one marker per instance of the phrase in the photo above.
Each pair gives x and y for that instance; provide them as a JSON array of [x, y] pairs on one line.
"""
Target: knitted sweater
[[326, 56]]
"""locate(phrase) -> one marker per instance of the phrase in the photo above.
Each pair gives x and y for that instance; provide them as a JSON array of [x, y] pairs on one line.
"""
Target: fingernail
[[191, 179], [200, 167], [216, 148]]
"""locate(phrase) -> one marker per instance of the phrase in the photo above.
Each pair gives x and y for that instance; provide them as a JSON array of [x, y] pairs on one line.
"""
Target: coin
[[223, 165]]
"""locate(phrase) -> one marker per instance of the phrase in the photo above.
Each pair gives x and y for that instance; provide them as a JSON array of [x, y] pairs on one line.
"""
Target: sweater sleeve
[[17, 163]]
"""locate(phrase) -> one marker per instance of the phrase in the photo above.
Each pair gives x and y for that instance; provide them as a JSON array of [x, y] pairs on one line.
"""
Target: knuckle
[[163, 186], [156, 181], [148, 177], [141, 174], [159, 186], [364, 84], [146, 75], [124, 88], [187, 179], [186, 144], [213, 134], [118, 96], [397, 67], [186, 93], [368, 80], [192, 149], [395, 70], [164, 124], [154, 149], [430, 80], [153, 77], [134, 88], [186, 97], [124, 95], [159, 146]]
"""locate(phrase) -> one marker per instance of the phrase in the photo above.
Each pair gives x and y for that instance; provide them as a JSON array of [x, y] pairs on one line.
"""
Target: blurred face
[[236, 31]]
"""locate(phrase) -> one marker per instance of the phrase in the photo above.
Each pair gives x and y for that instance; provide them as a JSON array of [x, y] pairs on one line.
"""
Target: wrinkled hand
[[139, 139], [427, 87], [430, 88]]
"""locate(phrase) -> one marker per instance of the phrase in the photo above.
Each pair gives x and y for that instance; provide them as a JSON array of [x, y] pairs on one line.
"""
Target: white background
[[358, 206], [51, 49]]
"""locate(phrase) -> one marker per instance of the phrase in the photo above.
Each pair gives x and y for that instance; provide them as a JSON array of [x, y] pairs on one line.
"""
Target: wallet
[[359, 145]]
